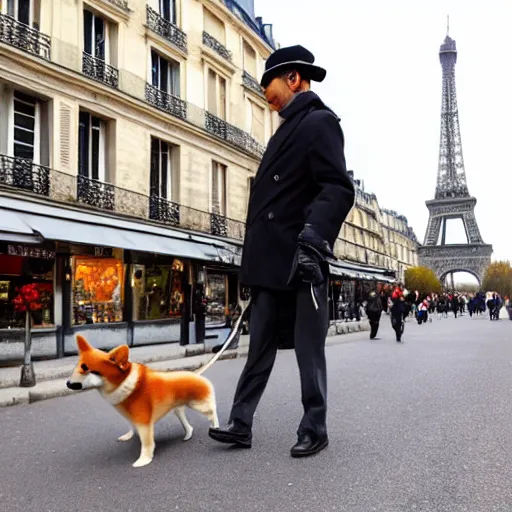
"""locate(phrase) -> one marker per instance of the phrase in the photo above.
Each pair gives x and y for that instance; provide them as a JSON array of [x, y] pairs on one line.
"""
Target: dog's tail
[[234, 330]]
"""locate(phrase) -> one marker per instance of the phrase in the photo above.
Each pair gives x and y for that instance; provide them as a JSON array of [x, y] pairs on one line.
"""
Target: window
[[98, 290], [216, 100], [23, 11], [26, 119], [96, 36], [161, 169], [219, 188], [214, 26], [91, 147], [257, 121], [165, 74], [158, 291], [250, 60], [167, 9]]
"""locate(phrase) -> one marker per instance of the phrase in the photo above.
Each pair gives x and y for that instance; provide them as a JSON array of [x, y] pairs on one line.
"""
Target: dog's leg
[[180, 413], [127, 436], [208, 407], [147, 444]]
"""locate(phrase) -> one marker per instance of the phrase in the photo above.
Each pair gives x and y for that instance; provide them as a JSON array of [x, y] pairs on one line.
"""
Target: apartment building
[[129, 134], [401, 242]]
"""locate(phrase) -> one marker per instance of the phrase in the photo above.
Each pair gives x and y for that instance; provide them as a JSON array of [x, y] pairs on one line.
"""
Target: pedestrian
[[299, 199], [374, 311], [397, 314]]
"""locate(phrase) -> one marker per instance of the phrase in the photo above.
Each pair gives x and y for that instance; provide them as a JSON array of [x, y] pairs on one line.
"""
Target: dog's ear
[[83, 345], [120, 356]]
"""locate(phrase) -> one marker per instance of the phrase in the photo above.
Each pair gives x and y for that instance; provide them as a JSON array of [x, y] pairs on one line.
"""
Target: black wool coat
[[302, 179]]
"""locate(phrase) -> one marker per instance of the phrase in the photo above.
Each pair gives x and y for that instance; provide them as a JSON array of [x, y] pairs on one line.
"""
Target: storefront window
[[17, 270], [158, 291], [98, 290], [216, 296]]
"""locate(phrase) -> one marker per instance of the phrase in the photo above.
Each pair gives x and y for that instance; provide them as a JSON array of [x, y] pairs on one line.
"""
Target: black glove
[[309, 267]]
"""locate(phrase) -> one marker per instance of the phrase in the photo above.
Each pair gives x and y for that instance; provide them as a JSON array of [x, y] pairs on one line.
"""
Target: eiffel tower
[[452, 198]]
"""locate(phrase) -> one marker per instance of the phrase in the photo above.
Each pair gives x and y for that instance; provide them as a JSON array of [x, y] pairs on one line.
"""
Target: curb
[[52, 384]]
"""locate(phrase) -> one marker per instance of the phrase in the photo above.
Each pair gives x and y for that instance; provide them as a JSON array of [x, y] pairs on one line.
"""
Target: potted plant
[[27, 301]]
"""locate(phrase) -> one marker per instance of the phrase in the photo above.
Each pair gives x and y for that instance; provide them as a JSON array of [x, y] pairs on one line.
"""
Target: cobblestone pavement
[[420, 426]]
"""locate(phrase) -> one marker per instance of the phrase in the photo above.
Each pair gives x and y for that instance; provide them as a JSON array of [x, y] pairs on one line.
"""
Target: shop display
[[98, 290], [19, 268], [216, 296], [158, 291]]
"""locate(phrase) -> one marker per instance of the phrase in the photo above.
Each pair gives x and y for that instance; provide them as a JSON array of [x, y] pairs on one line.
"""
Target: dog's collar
[[125, 389]]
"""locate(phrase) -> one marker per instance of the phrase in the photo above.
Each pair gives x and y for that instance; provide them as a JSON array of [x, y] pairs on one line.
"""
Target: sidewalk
[[51, 375]]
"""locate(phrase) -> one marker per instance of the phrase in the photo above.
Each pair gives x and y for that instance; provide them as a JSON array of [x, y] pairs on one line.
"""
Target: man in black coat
[[299, 199]]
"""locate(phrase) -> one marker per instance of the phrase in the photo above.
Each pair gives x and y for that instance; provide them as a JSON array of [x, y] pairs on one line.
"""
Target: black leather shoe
[[306, 446], [234, 434]]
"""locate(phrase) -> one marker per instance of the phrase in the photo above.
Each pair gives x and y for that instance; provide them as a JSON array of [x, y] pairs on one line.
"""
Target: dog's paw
[[142, 461], [188, 435], [126, 437]]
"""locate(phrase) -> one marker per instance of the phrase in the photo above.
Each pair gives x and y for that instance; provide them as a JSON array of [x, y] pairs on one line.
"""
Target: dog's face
[[107, 366]]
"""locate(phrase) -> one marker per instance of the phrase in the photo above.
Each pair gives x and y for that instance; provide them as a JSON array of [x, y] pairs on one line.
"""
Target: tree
[[422, 279], [27, 300], [498, 278]]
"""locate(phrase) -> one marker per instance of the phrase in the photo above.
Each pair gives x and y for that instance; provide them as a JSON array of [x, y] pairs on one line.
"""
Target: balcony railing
[[212, 43], [99, 70], [203, 119], [218, 224], [251, 83], [24, 174], [166, 29], [164, 211], [166, 102], [24, 37], [95, 193], [63, 187]]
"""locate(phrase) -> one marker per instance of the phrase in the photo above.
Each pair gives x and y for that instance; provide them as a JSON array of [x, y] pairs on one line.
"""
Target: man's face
[[278, 93]]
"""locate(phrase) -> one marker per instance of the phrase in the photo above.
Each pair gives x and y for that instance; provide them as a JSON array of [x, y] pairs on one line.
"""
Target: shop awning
[[14, 229], [54, 223], [353, 271]]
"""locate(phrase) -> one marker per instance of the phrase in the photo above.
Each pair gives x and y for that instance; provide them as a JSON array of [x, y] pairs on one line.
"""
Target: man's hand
[[308, 267]]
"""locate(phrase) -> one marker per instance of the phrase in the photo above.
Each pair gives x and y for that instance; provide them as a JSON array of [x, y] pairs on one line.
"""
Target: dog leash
[[228, 341]]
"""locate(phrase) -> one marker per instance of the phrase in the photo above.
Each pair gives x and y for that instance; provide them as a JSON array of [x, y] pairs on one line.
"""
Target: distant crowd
[[422, 306]]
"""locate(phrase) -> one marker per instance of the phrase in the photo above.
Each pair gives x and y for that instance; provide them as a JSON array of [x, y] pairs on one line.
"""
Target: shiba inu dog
[[143, 396]]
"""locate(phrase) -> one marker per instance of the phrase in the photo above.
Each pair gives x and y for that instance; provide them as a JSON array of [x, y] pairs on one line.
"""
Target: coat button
[[270, 216], [276, 178]]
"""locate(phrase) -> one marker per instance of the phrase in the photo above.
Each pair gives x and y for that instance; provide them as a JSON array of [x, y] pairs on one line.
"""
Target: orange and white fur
[[143, 396]]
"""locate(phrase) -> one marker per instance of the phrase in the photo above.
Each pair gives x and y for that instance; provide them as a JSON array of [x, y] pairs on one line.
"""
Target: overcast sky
[[384, 81]]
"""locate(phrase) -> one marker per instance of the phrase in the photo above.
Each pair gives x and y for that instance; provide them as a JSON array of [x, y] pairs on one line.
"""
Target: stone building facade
[[377, 237]]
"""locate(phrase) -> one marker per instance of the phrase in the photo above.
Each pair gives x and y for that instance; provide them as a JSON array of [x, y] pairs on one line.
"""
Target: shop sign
[[103, 251], [27, 251]]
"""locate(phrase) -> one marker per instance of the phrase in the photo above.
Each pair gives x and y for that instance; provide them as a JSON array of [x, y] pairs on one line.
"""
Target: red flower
[[28, 298]]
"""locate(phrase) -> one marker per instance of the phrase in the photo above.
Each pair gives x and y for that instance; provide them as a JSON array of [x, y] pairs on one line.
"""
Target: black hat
[[296, 57]]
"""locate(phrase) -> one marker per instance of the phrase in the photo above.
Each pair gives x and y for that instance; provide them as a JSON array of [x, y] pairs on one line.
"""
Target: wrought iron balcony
[[95, 193], [99, 70], [235, 136], [166, 102], [24, 174], [218, 225], [212, 43], [251, 83], [24, 37], [164, 211], [166, 29]]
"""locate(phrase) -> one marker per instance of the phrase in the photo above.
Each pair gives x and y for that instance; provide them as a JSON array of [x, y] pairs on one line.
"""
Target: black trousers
[[374, 320], [287, 316]]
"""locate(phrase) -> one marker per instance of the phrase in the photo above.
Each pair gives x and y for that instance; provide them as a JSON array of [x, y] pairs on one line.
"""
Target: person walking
[[397, 314], [299, 199], [374, 312]]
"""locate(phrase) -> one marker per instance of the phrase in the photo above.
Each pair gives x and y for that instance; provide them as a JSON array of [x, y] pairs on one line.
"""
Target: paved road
[[423, 426]]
